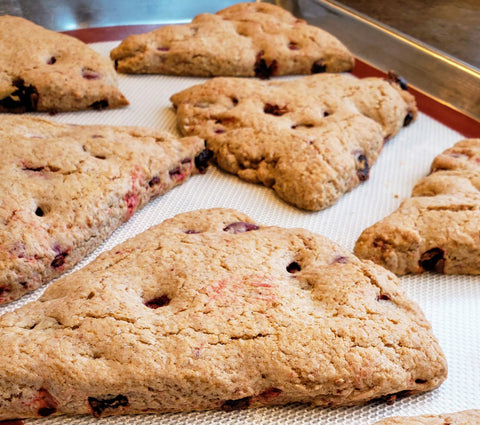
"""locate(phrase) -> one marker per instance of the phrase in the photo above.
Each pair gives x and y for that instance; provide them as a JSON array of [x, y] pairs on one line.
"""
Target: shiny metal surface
[[74, 14], [429, 70]]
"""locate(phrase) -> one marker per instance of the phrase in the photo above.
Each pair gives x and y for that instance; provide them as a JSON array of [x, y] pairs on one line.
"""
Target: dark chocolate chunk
[[98, 406], [433, 260], [240, 404]]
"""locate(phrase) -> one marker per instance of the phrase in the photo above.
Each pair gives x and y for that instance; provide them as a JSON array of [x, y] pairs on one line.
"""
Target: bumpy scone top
[[311, 139], [209, 310], [65, 188], [247, 39], [437, 228], [42, 70], [467, 417]]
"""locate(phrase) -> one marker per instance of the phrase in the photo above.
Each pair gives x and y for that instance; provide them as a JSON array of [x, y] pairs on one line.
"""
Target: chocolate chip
[[23, 99], [98, 406], [293, 267], [395, 78], [219, 131], [240, 404], [99, 105], [176, 172], [36, 169], [153, 181], [275, 109], [433, 260], [45, 403], [157, 302], [59, 260], [46, 411], [262, 70], [408, 118], [362, 167], [421, 381], [39, 212], [202, 160], [163, 49], [240, 227], [383, 297], [318, 67], [51, 60]]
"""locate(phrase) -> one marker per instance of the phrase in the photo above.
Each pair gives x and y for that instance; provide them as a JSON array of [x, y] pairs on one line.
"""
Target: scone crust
[[65, 188], [42, 70], [466, 417], [311, 139], [209, 310], [247, 39], [437, 228]]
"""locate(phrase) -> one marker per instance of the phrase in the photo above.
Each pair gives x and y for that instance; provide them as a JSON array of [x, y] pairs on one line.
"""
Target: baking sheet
[[451, 303]]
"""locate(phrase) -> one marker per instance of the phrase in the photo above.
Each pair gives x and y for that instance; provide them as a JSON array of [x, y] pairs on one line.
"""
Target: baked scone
[[311, 139], [437, 228], [467, 417], [42, 70], [244, 40], [209, 310], [65, 188]]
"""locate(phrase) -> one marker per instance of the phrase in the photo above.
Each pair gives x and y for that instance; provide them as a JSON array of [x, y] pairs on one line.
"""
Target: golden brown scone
[[42, 70], [437, 228], [247, 39], [311, 139], [467, 417], [65, 188], [209, 310]]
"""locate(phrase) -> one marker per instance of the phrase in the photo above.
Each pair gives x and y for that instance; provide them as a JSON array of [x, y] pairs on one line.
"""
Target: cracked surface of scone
[[311, 139], [466, 417], [42, 70], [437, 228], [247, 39], [209, 310], [65, 188]]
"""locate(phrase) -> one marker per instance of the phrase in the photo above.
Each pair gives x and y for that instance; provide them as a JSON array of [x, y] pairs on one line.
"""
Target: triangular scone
[[311, 139], [209, 310], [437, 229], [65, 188], [42, 70], [466, 417], [244, 40]]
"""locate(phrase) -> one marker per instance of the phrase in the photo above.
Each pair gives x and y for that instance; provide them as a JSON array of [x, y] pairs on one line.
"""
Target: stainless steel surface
[[445, 78], [73, 14]]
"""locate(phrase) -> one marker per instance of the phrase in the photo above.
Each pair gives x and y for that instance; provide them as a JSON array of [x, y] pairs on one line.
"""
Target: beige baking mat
[[451, 303]]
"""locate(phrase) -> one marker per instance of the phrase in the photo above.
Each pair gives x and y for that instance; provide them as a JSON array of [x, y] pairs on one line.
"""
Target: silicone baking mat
[[451, 303]]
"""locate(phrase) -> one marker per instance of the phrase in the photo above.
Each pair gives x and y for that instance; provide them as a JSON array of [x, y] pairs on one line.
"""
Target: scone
[[245, 40], [437, 229], [467, 417], [311, 139], [65, 188], [209, 310], [42, 70]]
